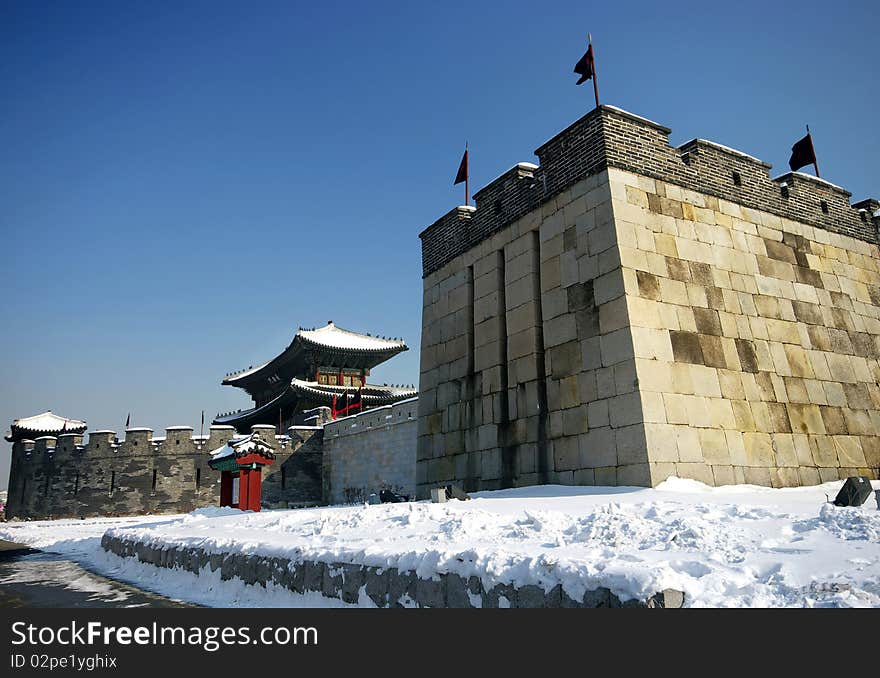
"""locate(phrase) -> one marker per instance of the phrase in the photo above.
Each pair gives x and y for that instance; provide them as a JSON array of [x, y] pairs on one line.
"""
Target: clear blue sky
[[183, 184]]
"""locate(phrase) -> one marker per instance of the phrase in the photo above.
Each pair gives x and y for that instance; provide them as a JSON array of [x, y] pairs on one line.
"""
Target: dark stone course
[[686, 347], [385, 587]]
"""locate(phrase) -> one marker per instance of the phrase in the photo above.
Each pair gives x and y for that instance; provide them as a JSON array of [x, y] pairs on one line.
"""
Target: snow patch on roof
[[47, 421], [244, 373], [222, 452], [336, 337], [241, 445]]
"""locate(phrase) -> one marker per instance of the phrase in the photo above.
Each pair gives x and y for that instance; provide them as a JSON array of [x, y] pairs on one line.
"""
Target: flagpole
[[595, 77], [812, 148], [467, 176]]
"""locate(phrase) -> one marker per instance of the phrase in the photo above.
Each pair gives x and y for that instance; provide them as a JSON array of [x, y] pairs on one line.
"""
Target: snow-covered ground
[[737, 546]]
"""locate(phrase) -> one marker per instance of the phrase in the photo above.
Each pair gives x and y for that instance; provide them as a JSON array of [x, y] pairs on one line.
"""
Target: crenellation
[[609, 137], [44, 445], [266, 431], [177, 435], [219, 435], [137, 441]]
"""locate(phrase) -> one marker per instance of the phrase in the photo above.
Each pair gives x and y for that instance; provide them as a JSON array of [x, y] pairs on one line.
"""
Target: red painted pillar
[[255, 489], [243, 489], [225, 488]]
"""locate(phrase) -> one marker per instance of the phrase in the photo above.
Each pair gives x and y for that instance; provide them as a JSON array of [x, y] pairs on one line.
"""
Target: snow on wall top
[[820, 180], [727, 149], [716, 544], [633, 115]]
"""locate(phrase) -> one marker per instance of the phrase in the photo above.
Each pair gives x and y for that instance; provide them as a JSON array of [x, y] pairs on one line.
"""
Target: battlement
[[138, 441], [611, 137], [44, 445]]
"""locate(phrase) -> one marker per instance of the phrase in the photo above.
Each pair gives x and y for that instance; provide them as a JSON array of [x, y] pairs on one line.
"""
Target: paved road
[[31, 578]]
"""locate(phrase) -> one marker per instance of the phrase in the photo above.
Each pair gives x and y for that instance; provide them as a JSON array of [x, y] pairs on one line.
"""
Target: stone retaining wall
[[386, 587]]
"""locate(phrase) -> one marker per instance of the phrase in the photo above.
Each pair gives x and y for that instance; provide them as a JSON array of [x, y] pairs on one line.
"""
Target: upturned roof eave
[[300, 343]]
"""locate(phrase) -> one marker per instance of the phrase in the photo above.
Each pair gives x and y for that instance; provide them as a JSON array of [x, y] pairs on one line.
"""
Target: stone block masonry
[[628, 311], [756, 339], [383, 587], [369, 452]]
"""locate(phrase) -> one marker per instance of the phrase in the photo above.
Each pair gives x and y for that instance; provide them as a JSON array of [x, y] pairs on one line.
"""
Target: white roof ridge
[[367, 342], [244, 373], [47, 421]]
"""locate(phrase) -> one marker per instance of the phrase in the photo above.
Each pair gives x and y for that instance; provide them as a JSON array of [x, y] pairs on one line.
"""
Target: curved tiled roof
[[46, 423], [371, 393], [242, 446], [328, 338], [331, 336]]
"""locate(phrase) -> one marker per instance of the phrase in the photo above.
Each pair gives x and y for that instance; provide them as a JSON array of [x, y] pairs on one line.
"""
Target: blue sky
[[183, 184]]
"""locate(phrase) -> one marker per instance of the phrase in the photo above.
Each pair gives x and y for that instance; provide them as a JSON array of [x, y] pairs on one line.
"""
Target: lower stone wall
[[294, 479], [385, 587], [371, 451], [46, 487], [64, 478]]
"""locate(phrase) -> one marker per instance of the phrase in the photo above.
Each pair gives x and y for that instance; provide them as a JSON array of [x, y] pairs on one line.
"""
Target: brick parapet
[[610, 137]]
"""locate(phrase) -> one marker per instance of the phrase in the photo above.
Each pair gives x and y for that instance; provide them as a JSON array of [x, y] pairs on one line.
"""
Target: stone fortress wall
[[371, 451], [627, 310], [65, 477]]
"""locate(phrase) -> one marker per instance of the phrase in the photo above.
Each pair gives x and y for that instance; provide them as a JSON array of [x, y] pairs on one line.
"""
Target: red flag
[[462, 174], [585, 67], [802, 154]]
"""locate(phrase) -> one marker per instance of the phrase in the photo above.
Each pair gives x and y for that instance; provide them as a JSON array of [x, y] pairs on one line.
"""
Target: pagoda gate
[[321, 367], [242, 458]]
